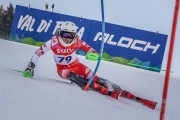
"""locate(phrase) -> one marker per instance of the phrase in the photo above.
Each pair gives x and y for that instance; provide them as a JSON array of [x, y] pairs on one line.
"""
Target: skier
[[64, 46]]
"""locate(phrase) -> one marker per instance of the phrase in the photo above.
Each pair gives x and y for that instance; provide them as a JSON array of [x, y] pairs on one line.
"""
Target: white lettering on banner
[[110, 40], [99, 37], [80, 33], [21, 20], [44, 26], [128, 43], [133, 46], [155, 48], [58, 25], [26, 22]]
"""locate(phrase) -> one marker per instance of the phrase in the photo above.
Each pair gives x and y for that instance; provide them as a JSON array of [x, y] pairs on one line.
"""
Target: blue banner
[[125, 45]]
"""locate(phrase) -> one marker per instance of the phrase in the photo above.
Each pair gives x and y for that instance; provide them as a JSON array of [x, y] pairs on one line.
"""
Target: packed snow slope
[[48, 97]]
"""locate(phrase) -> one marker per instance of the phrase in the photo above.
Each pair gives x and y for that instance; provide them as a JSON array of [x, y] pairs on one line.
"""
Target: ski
[[125, 94], [148, 103], [17, 70], [130, 96]]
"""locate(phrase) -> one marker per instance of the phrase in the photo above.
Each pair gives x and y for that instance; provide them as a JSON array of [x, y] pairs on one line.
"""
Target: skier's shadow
[[42, 78]]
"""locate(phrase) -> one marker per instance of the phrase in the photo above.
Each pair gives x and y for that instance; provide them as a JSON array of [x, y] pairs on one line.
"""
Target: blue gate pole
[[101, 49]]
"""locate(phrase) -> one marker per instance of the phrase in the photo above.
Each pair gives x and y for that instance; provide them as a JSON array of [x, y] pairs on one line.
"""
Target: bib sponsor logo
[[68, 50]]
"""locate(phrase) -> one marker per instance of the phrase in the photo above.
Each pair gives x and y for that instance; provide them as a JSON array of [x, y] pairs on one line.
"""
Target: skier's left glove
[[29, 71], [92, 55]]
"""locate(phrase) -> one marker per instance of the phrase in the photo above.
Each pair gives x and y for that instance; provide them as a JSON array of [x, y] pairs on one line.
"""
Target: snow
[[48, 97]]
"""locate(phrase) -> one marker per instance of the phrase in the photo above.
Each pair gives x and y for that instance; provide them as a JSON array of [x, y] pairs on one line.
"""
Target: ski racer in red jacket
[[64, 46]]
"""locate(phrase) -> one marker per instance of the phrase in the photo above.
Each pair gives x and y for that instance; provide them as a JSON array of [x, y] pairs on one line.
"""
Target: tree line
[[6, 19]]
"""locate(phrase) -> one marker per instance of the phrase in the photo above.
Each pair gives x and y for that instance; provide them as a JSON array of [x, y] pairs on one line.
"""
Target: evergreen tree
[[1, 19], [8, 19], [1, 9]]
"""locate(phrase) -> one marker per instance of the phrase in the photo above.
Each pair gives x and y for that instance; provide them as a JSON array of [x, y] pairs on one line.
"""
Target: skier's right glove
[[29, 71]]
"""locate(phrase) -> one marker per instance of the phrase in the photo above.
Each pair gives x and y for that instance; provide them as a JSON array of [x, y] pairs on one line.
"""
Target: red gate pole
[[166, 84]]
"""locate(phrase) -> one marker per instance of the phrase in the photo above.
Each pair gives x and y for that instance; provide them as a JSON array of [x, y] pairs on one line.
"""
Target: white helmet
[[69, 26], [67, 30]]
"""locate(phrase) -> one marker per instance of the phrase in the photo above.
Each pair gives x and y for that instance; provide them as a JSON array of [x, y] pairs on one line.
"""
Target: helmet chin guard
[[65, 44]]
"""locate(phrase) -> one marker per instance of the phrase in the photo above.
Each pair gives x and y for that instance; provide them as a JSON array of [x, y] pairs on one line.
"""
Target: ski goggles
[[68, 35]]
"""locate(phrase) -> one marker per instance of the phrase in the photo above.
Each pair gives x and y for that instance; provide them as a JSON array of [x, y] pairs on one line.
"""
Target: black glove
[[29, 71]]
